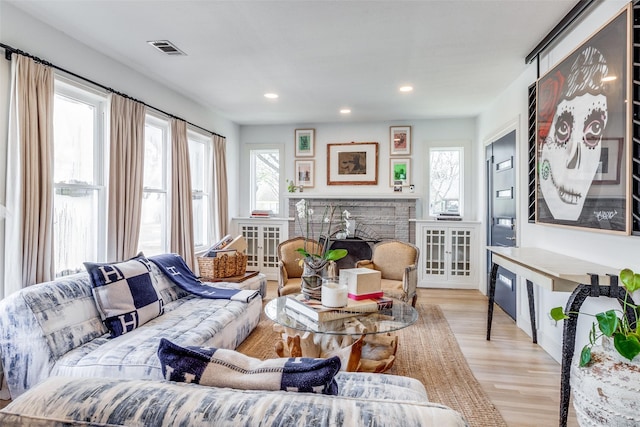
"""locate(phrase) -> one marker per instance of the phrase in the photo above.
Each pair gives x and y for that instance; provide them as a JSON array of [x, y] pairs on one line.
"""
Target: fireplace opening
[[357, 249]]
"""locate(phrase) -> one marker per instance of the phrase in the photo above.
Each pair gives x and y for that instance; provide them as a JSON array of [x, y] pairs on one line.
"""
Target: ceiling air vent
[[166, 46]]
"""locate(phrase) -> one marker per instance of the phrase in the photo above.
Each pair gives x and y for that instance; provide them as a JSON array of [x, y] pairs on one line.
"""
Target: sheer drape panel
[[29, 192], [126, 173], [220, 199], [181, 202]]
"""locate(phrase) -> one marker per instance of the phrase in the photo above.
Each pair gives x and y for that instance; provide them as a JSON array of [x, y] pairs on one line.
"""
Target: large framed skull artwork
[[582, 134]]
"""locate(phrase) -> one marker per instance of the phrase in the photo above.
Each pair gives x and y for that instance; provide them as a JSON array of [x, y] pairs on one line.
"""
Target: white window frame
[[163, 123], [74, 90], [195, 137], [253, 150], [461, 184]]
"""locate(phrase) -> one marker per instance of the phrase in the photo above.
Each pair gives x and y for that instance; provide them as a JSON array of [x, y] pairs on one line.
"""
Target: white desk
[[559, 273], [550, 270]]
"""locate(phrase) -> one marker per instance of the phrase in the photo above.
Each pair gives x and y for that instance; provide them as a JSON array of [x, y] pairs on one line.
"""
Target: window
[[199, 164], [265, 179], [79, 204], [445, 181], [153, 238]]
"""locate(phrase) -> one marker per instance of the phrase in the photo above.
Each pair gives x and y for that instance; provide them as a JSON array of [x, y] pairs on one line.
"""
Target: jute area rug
[[427, 351]]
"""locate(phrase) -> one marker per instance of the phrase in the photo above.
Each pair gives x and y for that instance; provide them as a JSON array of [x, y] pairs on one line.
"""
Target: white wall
[[424, 134], [510, 110], [23, 32]]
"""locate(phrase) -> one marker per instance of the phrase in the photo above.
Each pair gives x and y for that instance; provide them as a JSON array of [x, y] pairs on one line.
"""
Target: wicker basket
[[222, 266]]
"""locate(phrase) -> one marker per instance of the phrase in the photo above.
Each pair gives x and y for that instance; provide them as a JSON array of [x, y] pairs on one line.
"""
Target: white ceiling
[[319, 56]]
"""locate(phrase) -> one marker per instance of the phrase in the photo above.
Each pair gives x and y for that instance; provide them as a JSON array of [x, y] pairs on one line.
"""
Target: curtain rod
[[568, 19], [8, 51]]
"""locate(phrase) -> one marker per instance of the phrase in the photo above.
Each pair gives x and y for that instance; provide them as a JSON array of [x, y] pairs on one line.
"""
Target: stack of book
[[261, 213], [315, 311]]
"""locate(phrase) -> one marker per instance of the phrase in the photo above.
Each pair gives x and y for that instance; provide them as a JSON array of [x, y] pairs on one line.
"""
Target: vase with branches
[[317, 258]]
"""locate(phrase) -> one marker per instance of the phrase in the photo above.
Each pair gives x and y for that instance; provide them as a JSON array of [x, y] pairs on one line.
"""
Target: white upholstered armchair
[[397, 261]]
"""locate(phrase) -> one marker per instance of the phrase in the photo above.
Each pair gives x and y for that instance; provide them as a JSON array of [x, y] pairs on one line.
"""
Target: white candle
[[333, 293]]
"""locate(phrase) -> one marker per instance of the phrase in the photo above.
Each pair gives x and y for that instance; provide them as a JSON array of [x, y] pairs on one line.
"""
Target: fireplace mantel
[[387, 216], [304, 195]]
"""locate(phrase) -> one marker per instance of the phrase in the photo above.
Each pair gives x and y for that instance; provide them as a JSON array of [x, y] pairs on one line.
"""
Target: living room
[[505, 113]]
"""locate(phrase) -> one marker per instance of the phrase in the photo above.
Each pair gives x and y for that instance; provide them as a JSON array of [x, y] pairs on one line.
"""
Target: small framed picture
[[304, 173], [400, 140], [399, 171], [305, 142]]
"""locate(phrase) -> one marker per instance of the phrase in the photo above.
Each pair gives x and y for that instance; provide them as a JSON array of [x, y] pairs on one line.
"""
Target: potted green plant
[[605, 378], [291, 186], [315, 263], [626, 337]]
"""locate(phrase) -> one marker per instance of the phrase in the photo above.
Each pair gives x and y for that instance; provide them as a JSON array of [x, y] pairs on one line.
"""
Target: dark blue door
[[501, 216]]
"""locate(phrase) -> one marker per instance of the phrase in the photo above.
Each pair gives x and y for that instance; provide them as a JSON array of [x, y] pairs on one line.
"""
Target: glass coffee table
[[364, 342]]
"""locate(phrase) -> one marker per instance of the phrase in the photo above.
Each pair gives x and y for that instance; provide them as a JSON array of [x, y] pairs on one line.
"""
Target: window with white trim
[[200, 166], [154, 226], [445, 181], [79, 203], [265, 179]]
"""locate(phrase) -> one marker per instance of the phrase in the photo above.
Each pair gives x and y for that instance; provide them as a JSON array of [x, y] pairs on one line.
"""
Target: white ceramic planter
[[607, 392]]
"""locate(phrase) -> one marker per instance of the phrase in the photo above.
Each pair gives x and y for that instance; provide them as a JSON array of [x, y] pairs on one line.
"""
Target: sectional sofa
[[62, 366]]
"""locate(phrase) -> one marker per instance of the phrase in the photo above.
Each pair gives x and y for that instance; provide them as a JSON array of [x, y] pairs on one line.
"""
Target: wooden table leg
[[366, 353]]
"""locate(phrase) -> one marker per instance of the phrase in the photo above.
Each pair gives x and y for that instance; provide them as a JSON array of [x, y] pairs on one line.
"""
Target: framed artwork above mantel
[[305, 142], [400, 140], [354, 163]]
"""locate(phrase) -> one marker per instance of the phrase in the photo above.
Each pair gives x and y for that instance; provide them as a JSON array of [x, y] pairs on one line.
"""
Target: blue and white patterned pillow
[[124, 294], [227, 368]]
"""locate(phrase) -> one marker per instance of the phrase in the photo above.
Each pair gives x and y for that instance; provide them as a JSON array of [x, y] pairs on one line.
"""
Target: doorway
[[501, 213]]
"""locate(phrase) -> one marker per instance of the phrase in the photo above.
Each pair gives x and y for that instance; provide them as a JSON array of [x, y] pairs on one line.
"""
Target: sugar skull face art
[[570, 154]]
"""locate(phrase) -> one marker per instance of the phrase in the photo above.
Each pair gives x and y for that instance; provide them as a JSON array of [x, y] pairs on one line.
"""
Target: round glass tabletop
[[399, 316]]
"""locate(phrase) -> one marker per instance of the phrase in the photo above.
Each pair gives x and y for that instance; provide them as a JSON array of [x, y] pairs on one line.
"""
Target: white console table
[[560, 273]]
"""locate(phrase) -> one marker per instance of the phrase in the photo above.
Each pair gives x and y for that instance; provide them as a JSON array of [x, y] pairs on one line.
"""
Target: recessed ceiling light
[[271, 95], [406, 88], [345, 111]]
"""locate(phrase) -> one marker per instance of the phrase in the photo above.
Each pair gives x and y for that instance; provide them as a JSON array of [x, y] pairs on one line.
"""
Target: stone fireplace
[[375, 217]]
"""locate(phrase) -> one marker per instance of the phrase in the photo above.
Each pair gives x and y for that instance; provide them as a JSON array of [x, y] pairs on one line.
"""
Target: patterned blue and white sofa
[[62, 369], [370, 400], [55, 328]]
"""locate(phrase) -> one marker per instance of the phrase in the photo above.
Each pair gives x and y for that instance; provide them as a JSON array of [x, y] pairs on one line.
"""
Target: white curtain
[[126, 176], [181, 197], [220, 199], [29, 185]]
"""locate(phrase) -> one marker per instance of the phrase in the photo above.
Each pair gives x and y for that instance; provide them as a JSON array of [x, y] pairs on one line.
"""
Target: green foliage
[[291, 186], [585, 356], [611, 323], [557, 314], [608, 322], [329, 255]]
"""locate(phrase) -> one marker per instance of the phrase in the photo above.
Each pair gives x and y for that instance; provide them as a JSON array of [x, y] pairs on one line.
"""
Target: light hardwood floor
[[521, 379]]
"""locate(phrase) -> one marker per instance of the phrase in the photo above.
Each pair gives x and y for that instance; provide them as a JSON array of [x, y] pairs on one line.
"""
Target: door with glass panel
[[501, 213]]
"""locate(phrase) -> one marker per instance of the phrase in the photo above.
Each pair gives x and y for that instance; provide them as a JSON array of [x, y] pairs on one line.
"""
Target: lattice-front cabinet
[[263, 237], [448, 254]]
